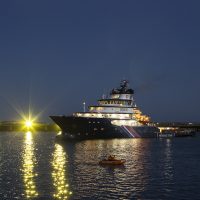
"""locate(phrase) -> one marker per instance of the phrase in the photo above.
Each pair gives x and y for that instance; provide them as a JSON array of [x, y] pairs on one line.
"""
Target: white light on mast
[[83, 106]]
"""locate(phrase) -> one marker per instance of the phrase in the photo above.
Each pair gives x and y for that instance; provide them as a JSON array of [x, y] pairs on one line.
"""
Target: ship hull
[[82, 128]]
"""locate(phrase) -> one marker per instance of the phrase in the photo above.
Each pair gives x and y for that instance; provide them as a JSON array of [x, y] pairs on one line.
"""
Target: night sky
[[56, 54]]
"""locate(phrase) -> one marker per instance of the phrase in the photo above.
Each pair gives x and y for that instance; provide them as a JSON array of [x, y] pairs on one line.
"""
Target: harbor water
[[35, 166]]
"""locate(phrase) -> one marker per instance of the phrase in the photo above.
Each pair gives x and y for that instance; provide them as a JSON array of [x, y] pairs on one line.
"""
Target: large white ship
[[115, 116]]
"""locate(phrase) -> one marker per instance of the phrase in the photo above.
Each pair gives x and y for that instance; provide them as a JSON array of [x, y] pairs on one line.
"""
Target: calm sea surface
[[34, 166]]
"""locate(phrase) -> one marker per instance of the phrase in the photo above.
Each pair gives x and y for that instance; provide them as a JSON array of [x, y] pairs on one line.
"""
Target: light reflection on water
[[59, 174], [28, 165], [34, 166], [120, 181], [168, 162]]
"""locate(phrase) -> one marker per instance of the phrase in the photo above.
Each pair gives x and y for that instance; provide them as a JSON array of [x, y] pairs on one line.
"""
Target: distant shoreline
[[47, 127], [13, 126]]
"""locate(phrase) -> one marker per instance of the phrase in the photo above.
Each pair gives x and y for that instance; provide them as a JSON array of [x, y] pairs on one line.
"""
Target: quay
[[179, 125], [178, 129]]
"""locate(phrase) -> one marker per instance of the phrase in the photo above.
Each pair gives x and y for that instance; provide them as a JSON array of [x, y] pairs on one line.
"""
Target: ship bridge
[[120, 100]]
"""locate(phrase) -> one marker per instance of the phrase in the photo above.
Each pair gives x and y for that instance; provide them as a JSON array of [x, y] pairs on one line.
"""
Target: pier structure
[[179, 125]]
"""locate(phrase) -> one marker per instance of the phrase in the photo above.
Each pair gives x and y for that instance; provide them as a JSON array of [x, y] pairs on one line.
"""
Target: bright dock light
[[29, 123]]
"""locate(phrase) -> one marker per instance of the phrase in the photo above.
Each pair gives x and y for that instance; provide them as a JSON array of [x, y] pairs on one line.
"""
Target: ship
[[115, 116]]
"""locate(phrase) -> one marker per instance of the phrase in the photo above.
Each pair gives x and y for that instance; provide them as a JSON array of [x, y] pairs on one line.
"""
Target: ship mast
[[83, 106]]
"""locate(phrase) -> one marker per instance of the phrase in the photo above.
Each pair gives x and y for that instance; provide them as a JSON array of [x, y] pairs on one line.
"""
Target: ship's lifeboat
[[111, 160]]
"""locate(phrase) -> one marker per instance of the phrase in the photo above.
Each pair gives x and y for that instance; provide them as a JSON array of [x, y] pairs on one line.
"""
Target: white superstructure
[[120, 107]]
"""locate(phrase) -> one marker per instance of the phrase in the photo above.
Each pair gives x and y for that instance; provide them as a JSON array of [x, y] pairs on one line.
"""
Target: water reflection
[[168, 169], [93, 180], [154, 168], [59, 173], [28, 165]]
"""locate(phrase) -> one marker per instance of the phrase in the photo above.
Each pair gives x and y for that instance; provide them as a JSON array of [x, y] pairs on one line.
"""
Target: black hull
[[81, 128]]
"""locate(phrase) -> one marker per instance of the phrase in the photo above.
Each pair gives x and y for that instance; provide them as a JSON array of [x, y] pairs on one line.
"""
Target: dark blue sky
[[56, 54]]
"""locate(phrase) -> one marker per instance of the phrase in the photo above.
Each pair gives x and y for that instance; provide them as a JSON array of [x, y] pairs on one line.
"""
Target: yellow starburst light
[[28, 123]]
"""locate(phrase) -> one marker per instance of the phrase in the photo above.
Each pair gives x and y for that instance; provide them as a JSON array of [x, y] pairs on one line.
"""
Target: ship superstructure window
[[115, 96], [125, 123], [123, 109], [115, 102], [106, 115], [99, 108]]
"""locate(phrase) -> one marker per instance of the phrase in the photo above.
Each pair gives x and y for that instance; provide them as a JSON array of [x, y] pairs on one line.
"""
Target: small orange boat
[[111, 160]]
